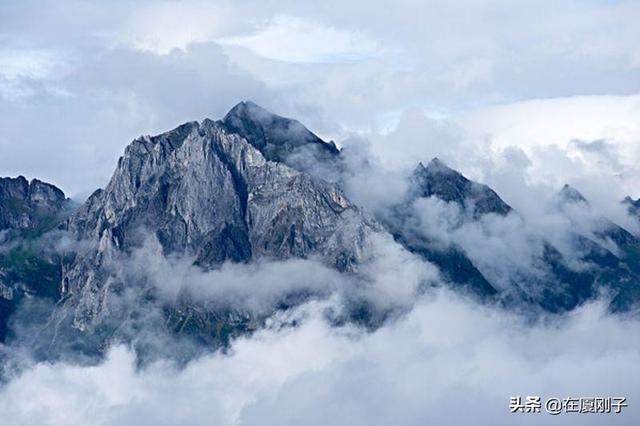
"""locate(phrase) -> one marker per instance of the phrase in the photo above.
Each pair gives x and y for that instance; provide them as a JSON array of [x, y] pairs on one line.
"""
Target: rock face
[[205, 191], [28, 205], [27, 267]]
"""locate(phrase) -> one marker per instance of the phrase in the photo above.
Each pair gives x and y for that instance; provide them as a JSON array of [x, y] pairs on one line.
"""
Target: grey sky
[[80, 79]]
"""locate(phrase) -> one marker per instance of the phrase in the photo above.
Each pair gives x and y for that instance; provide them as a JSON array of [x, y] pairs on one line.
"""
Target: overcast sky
[[80, 79]]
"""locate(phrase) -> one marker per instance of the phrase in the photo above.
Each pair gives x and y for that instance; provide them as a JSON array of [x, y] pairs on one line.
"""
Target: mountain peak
[[278, 138], [438, 179], [633, 206], [248, 110], [569, 194], [207, 192], [437, 163], [25, 204], [435, 166]]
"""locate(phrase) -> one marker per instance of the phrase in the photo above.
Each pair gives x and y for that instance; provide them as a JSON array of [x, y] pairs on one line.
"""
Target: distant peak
[[569, 194], [633, 206], [34, 190], [438, 179]]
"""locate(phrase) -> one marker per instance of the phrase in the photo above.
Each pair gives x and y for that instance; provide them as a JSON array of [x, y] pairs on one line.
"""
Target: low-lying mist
[[448, 360]]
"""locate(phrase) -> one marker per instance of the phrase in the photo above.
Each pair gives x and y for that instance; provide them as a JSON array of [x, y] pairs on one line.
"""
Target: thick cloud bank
[[445, 362]]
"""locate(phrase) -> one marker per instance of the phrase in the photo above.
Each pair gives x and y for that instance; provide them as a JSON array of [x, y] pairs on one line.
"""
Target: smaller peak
[[438, 166], [209, 123], [44, 191], [249, 104], [569, 194], [38, 182], [17, 179], [633, 206], [246, 104], [247, 109], [436, 162], [20, 181]]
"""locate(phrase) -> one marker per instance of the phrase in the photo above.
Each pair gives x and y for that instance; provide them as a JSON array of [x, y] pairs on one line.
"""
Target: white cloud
[[546, 122], [33, 64], [336, 67], [162, 27], [447, 362], [293, 39], [592, 143]]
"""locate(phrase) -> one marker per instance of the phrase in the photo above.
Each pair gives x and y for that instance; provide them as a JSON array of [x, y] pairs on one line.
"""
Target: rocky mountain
[[552, 282], [612, 250], [207, 191], [605, 229], [254, 186]]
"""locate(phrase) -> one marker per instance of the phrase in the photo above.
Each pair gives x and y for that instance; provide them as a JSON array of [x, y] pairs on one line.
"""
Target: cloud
[[144, 67], [256, 287], [389, 278], [588, 142], [292, 39], [526, 151], [152, 27], [446, 362]]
